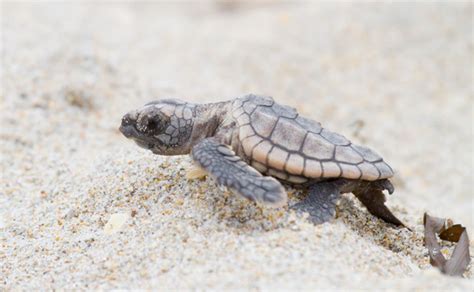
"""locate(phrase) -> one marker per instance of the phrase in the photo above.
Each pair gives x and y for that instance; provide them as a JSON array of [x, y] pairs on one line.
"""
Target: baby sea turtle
[[248, 143]]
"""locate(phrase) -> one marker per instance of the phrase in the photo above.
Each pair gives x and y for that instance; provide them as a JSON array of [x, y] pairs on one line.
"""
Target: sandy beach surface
[[83, 207]]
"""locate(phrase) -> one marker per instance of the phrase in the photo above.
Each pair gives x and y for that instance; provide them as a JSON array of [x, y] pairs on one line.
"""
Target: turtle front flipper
[[230, 170]]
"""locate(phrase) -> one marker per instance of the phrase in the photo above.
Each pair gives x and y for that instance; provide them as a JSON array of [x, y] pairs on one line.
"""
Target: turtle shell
[[278, 141]]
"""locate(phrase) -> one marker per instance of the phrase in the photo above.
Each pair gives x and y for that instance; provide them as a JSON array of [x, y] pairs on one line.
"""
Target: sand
[[82, 207]]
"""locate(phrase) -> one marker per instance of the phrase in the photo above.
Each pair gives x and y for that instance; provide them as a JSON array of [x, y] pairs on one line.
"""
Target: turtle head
[[163, 126]]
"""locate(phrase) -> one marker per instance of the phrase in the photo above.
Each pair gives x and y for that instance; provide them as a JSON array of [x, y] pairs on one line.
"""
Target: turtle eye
[[146, 124], [152, 125]]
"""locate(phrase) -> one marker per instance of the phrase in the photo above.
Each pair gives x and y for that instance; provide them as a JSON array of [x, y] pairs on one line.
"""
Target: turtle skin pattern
[[279, 142]]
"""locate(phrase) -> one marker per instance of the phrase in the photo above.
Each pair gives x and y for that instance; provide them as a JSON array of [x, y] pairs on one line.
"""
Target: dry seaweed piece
[[460, 258], [453, 233]]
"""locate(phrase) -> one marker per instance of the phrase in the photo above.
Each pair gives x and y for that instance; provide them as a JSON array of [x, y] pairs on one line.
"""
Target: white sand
[[69, 72]]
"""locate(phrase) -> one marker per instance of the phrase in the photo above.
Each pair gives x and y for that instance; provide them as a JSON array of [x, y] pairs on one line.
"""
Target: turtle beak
[[127, 128]]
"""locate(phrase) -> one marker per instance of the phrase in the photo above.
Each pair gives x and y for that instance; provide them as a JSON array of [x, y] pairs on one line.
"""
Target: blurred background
[[396, 77]]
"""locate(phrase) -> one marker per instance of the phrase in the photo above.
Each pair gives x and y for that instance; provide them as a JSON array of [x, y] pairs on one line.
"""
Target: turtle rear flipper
[[230, 170], [372, 197], [321, 201]]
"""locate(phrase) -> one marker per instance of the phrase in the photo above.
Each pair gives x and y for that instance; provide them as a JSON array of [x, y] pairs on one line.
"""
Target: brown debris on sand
[[460, 258]]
